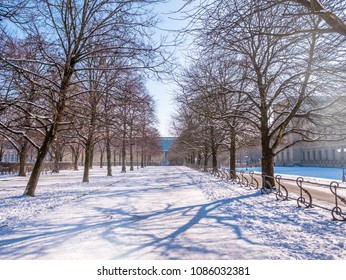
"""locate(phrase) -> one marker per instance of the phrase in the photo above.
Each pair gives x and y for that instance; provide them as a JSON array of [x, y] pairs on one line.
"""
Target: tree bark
[[131, 158], [75, 163], [123, 156], [57, 156], [114, 157], [232, 151], [101, 158], [91, 160], [205, 162], [87, 159], [267, 161], [108, 153], [268, 167], [142, 158], [22, 158], [214, 158], [213, 149], [75, 156], [42, 152]]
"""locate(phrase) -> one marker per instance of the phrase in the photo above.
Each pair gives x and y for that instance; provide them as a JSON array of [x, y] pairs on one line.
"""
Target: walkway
[[167, 213], [138, 217]]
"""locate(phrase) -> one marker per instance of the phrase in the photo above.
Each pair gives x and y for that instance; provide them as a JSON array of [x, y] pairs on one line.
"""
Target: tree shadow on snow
[[167, 232]]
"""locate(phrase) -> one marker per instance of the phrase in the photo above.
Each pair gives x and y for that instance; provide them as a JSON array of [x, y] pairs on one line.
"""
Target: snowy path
[[172, 213]]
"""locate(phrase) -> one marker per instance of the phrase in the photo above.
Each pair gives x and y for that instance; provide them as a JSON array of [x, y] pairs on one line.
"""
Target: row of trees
[[267, 73], [71, 73]]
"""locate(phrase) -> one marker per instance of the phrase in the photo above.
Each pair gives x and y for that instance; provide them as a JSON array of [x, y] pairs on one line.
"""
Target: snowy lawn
[[158, 213]]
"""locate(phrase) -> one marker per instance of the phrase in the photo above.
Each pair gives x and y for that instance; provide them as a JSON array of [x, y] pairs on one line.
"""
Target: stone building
[[321, 154], [165, 145]]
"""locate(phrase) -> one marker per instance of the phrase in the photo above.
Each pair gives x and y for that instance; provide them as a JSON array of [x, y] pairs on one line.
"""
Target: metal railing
[[306, 193]]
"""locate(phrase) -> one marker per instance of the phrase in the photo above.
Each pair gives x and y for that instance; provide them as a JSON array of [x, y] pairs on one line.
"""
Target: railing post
[[254, 183], [279, 194], [301, 200], [337, 213], [244, 180], [267, 187]]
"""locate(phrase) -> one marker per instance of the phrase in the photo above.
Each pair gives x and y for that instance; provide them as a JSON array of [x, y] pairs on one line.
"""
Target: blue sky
[[162, 92]]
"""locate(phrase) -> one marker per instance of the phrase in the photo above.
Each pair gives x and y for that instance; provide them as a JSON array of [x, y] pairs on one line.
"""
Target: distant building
[[9, 155], [165, 145], [321, 154], [317, 153], [329, 152]]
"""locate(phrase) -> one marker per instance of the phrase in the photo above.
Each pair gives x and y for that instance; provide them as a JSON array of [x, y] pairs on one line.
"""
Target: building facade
[[165, 146], [321, 154]]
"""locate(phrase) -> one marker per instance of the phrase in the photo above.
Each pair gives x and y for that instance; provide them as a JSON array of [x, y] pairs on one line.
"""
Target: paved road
[[319, 192]]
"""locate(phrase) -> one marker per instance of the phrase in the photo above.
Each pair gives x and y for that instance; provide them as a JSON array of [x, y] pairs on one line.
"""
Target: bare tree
[[315, 7], [9, 9], [281, 76], [212, 88], [67, 33]]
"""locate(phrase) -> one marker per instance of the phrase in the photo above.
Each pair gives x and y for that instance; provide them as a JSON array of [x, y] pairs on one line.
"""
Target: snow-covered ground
[[158, 213]]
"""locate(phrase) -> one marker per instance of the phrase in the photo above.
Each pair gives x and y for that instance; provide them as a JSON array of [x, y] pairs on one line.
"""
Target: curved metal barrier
[[301, 201], [253, 183], [267, 186], [234, 177], [289, 189], [244, 181], [337, 213], [282, 192]]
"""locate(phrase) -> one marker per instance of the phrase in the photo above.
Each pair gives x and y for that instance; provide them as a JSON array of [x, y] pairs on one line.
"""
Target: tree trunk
[[42, 152], [75, 163], [108, 154], [101, 158], [205, 162], [56, 167], [268, 168], [75, 154], [142, 158], [22, 158], [213, 149], [91, 160], [267, 161], [87, 159], [214, 158], [131, 158], [123, 157], [232, 153], [199, 159]]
